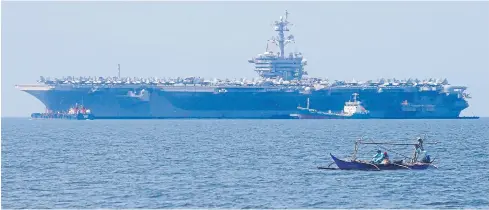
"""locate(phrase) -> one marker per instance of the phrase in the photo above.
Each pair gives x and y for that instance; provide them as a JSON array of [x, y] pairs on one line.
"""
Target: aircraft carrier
[[282, 85]]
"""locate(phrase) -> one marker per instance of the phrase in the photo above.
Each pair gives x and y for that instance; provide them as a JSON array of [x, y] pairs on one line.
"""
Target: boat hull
[[356, 165], [62, 116], [116, 103], [308, 115]]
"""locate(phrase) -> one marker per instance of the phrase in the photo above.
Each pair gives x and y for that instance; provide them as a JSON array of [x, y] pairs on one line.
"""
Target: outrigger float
[[355, 164]]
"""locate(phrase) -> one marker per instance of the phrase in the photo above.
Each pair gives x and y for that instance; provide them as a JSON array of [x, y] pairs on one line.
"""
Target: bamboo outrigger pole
[[389, 143], [354, 156]]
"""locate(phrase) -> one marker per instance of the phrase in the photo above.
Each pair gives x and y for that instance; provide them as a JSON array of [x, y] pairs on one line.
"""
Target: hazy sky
[[340, 40]]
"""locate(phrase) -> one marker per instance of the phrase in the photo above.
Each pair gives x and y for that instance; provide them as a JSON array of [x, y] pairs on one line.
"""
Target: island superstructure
[[282, 85]]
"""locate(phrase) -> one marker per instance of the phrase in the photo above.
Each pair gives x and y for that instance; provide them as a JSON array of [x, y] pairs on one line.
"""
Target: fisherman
[[421, 153], [420, 143], [426, 159], [385, 159], [377, 157]]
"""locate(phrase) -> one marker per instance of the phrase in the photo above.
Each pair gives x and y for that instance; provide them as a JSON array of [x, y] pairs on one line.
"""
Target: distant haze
[[340, 40]]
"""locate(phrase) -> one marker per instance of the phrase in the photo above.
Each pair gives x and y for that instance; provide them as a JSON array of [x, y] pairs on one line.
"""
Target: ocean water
[[237, 164]]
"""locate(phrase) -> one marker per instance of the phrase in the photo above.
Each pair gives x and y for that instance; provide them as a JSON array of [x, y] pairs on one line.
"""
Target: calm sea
[[237, 164]]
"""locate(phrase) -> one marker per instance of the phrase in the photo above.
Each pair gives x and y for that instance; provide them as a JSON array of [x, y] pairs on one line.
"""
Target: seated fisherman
[[378, 157], [386, 160], [426, 159]]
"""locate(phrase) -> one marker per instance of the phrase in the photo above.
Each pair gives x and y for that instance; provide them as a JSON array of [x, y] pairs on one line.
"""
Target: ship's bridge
[[273, 66], [280, 66]]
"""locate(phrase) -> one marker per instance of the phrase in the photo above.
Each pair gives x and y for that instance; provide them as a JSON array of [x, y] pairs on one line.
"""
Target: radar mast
[[281, 27]]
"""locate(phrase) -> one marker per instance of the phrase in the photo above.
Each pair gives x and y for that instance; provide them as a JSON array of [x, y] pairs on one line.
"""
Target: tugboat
[[351, 110], [74, 113]]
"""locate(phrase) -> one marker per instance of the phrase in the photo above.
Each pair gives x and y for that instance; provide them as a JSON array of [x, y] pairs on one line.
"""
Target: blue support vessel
[[352, 110]]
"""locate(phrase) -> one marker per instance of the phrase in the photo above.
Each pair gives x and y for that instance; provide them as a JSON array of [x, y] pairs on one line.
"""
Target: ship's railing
[[194, 81], [190, 79], [112, 85], [34, 87], [274, 58]]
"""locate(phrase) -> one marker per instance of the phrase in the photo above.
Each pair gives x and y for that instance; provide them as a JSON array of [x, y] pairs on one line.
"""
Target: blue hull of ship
[[116, 104]]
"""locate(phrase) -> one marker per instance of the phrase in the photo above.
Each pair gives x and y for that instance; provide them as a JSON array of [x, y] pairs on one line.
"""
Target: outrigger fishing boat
[[355, 164]]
